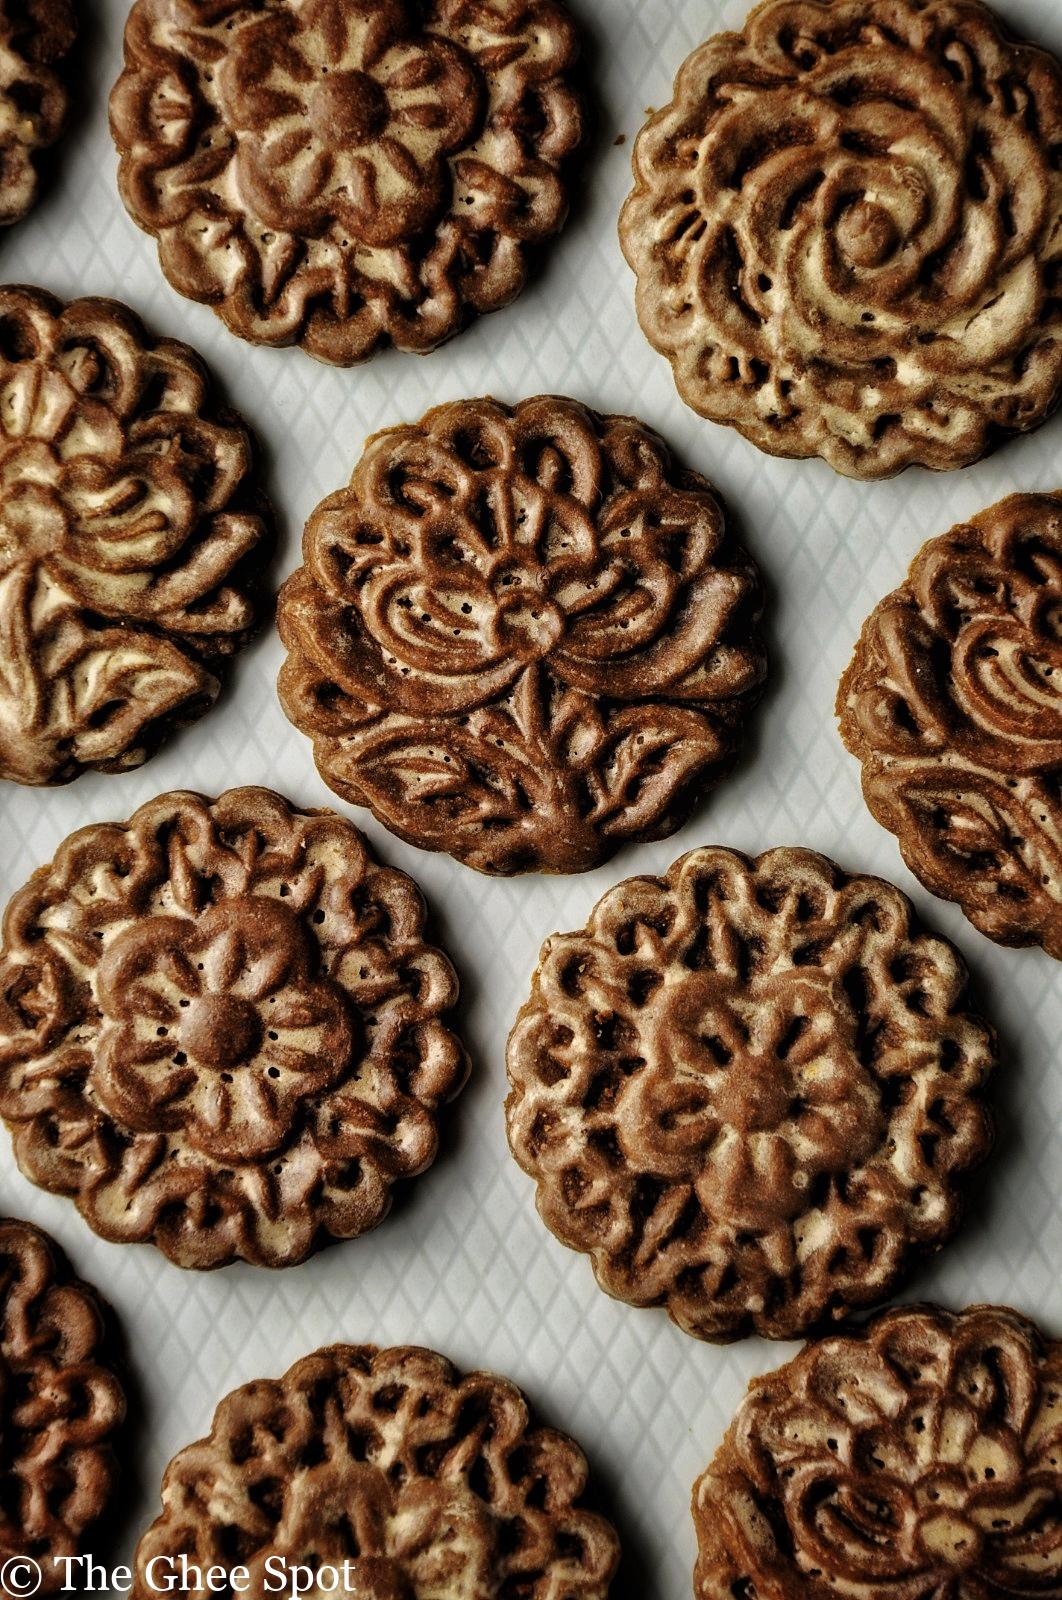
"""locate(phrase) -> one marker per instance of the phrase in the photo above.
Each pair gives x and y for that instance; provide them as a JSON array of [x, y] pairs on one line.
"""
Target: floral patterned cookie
[[36, 37], [222, 1030]]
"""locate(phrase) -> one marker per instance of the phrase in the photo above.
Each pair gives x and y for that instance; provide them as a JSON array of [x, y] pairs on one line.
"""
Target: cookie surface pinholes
[[132, 538], [421, 1480], [222, 1030], [341, 174], [36, 37], [846, 232], [61, 1406], [917, 1455], [751, 1091], [524, 635]]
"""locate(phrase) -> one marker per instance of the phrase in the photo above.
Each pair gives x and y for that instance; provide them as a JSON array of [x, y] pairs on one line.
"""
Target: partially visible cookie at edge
[[133, 537], [223, 1030], [953, 704], [36, 37], [525, 635], [753, 1092]]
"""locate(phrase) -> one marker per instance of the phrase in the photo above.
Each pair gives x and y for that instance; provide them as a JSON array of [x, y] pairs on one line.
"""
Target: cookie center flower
[[867, 234], [348, 108], [221, 1030]]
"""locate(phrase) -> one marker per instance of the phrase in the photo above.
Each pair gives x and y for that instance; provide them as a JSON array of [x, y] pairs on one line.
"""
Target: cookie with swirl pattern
[[344, 174], [61, 1407], [953, 704], [847, 232], [36, 37], [753, 1092], [222, 1029], [133, 535], [396, 1472], [525, 635], [918, 1455]]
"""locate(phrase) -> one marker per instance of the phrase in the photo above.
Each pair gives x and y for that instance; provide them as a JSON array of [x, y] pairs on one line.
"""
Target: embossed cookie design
[[918, 1455], [751, 1091], [953, 704], [36, 37], [847, 232], [132, 538], [222, 1030], [524, 635], [393, 1469], [342, 174]]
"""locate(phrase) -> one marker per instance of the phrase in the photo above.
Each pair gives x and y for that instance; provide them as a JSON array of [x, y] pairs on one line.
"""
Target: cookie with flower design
[[847, 232], [132, 538], [36, 38], [343, 174], [919, 1455], [387, 1467], [525, 635], [953, 704], [222, 1029], [753, 1092]]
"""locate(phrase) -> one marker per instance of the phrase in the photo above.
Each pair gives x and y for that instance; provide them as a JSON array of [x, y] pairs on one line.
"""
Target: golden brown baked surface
[[222, 1030], [427, 1482], [342, 174], [918, 1456], [60, 1405], [751, 1091], [524, 635], [952, 704], [847, 232], [133, 535], [35, 38]]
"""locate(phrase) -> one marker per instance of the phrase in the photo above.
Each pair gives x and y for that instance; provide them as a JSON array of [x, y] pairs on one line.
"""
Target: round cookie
[[222, 1030], [524, 635], [343, 174], [751, 1091], [61, 1406], [35, 38], [132, 538], [953, 704], [847, 232], [393, 1471], [918, 1455]]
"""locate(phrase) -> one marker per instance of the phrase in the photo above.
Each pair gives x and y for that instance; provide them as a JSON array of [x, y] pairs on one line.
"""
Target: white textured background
[[463, 1263]]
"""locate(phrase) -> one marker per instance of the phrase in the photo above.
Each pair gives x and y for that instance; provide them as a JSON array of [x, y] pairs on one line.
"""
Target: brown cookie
[[524, 635], [35, 38], [132, 538], [751, 1091], [953, 703], [918, 1456], [222, 1030], [847, 232], [60, 1408], [342, 174], [393, 1471]]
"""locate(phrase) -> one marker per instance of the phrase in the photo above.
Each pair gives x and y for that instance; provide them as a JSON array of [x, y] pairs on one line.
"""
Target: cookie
[[393, 1471], [222, 1030], [61, 1406], [132, 538], [36, 36], [524, 635], [919, 1455], [847, 232], [952, 704], [343, 174], [751, 1091]]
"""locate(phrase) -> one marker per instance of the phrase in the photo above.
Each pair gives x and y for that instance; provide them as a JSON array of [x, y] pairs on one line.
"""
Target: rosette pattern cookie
[[132, 536], [919, 1456], [750, 1091], [61, 1406], [953, 703], [847, 232], [222, 1030], [522, 635], [342, 174], [35, 38], [392, 1471]]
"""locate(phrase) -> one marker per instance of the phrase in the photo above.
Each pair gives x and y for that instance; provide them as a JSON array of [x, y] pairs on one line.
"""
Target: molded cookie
[[36, 37]]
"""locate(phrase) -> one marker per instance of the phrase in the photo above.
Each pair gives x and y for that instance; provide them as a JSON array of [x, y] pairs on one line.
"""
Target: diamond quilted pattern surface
[[463, 1263]]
